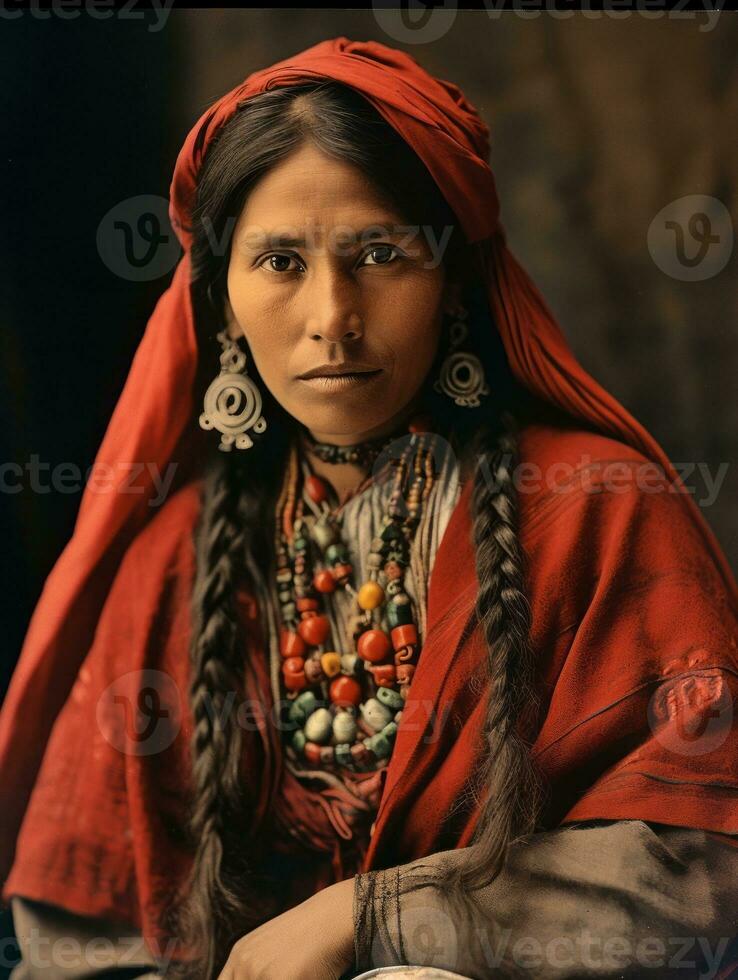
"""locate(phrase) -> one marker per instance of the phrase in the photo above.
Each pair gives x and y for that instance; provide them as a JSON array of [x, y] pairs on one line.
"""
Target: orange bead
[[331, 663], [373, 645], [370, 595], [312, 752], [345, 691], [291, 644], [324, 581], [306, 605], [314, 629]]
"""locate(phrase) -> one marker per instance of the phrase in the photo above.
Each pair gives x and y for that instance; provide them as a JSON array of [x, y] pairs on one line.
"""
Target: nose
[[334, 314]]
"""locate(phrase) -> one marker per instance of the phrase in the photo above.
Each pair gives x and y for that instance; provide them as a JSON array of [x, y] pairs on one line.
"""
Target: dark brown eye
[[384, 251], [278, 257]]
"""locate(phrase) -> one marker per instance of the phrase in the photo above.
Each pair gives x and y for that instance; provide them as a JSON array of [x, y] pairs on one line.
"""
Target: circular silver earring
[[462, 374], [232, 403]]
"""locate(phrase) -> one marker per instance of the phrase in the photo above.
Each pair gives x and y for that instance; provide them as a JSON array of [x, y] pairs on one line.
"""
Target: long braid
[[508, 777], [222, 870], [507, 785]]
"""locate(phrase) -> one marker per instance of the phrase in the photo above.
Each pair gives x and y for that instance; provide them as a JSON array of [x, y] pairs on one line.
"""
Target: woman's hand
[[313, 939]]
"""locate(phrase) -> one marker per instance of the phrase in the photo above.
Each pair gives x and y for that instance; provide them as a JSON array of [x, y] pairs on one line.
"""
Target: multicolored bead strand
[[344, 696]]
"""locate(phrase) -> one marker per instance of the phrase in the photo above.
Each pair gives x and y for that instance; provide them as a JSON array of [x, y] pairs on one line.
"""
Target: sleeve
[[599, 899], [639, 636], [72, 947]]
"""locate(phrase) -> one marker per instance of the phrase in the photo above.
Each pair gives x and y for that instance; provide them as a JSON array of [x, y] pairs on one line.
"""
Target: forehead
[[310, 187]]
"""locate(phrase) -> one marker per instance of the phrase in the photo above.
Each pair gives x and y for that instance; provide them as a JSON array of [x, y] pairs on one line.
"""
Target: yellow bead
[[331, 663], [370, 595]]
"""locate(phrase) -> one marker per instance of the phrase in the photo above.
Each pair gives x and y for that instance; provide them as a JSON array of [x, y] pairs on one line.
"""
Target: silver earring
[[232, 402], [462, 374]]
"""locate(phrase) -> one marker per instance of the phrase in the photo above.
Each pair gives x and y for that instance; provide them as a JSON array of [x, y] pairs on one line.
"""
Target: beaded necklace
[[344, 696]]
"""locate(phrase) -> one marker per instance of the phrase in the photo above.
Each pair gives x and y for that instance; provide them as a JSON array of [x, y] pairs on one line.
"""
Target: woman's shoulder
[[168, 533], [570, 443]]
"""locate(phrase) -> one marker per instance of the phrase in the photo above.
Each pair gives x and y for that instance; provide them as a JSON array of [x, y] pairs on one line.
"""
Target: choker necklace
[[362, 453]]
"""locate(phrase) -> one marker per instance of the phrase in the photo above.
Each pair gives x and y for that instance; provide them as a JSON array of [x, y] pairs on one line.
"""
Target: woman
[[438, 707]]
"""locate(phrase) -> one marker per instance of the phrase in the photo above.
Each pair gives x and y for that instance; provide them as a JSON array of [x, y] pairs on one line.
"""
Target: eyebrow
[[276, 240]]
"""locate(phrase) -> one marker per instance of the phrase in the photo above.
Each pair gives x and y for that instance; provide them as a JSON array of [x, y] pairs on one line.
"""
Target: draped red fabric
[[155, 423]]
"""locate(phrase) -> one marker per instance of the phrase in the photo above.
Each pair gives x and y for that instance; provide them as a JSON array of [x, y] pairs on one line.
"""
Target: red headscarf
[[155, 418]]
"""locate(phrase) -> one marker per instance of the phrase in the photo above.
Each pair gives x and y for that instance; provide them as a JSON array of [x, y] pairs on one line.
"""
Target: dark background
[[596, 123]]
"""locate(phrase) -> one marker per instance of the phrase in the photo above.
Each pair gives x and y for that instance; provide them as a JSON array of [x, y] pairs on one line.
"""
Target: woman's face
[[359, 287]]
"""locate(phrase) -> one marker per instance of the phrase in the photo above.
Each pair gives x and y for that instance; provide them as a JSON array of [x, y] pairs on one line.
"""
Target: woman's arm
[[598, 899]]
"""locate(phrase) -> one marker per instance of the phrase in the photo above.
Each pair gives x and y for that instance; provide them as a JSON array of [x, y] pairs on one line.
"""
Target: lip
[[329, 370], [341, 382]]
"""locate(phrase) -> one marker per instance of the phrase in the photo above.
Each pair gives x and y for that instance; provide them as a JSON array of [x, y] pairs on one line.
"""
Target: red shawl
[[634, 605]]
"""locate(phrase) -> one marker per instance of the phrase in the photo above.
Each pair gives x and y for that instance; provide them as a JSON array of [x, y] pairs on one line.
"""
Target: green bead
[[379, 744], [298, 741], [300, 544], [399, 614], [343, 755], [390, 698], [390, 729], [302, 707], [335, 553]]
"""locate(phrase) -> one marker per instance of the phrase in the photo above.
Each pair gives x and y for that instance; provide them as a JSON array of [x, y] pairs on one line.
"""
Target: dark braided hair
[[225, 895]]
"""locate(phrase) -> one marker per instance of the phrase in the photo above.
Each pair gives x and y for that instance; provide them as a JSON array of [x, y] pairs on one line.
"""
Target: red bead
[[291, 644], [360, 754], [293, 671], [405, 673], [324, 581], [384, 674], [312, 752], [306, 605], [404, 636], [344, 691], [373, 646], [327, 758], [314, 629], [316, 489], [422, 422], [342, 571]]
